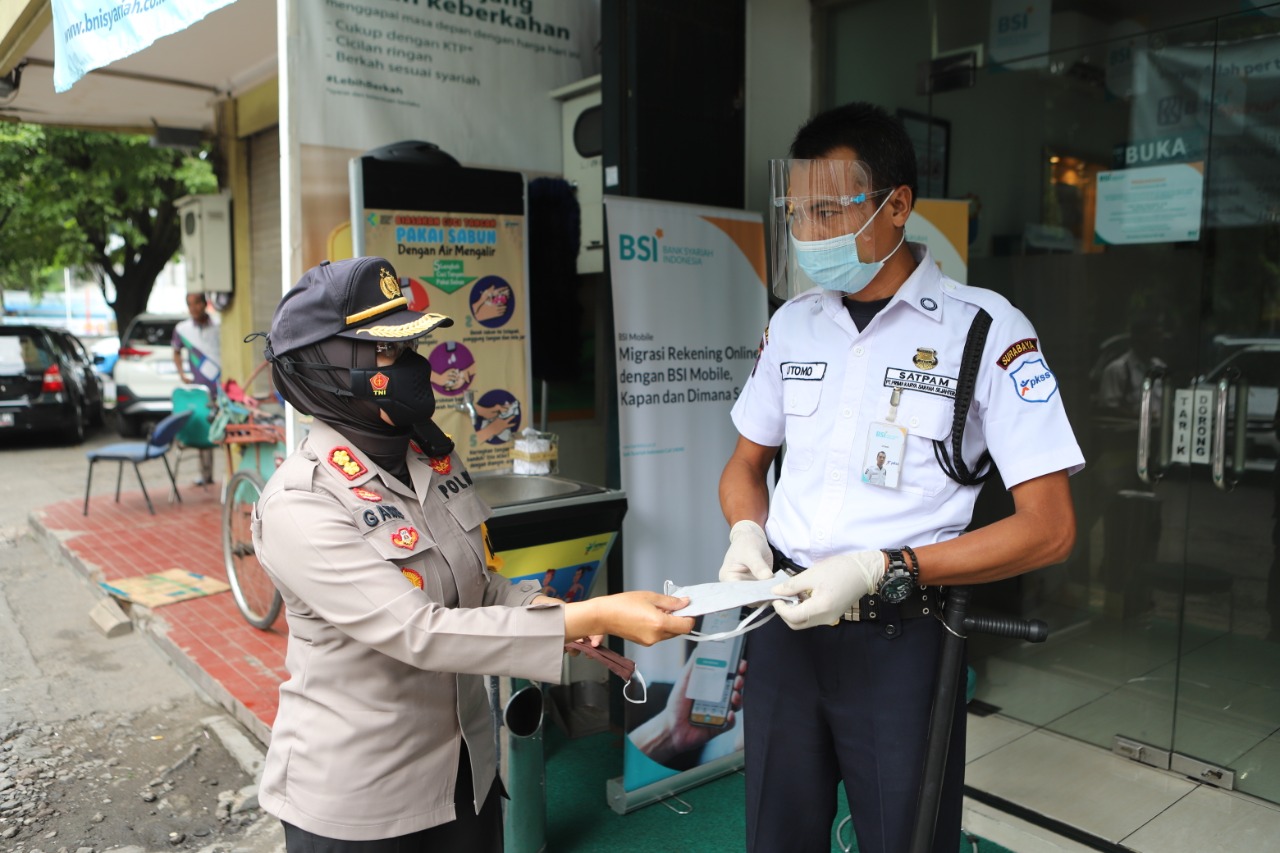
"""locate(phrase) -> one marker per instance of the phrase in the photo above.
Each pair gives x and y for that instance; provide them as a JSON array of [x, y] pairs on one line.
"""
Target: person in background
[[197, 353], [373, 533], [866, 355]]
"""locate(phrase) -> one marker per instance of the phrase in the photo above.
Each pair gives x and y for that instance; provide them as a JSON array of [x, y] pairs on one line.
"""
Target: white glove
[[749, 556], [834, 585]]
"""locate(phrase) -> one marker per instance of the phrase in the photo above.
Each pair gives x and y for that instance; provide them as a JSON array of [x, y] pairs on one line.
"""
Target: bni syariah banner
[[89, 34], [689, 307]]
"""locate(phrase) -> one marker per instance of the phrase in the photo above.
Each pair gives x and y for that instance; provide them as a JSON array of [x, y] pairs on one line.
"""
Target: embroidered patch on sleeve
[[413, 577], [366, 495], [1016, 349], [1034, 381]]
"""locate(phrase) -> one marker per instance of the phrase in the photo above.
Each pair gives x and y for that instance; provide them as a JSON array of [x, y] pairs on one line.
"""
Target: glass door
[[1054, 151], [1150, 263], [1227, 709], [1125, 195]]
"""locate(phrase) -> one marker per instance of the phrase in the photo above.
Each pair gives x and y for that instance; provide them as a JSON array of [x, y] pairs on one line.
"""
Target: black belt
[[872, 608]]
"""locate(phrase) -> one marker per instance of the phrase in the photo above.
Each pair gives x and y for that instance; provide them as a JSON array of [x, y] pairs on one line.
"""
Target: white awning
[[173, 83]]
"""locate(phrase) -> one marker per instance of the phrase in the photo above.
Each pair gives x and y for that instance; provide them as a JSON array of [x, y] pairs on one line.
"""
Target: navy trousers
[[849, 702]]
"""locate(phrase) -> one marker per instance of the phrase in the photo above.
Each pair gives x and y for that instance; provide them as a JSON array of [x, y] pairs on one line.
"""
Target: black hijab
[[358, 419]]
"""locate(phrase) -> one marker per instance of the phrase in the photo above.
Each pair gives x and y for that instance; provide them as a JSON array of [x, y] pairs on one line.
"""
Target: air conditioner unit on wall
[[582, 121], [206, 242]]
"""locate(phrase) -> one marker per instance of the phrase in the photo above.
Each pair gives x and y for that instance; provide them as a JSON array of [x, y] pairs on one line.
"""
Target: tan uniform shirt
[[391, 630]]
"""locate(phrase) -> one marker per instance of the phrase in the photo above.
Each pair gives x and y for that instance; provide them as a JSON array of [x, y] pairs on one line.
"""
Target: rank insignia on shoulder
[[405, 537], [413, 577], [440, 464], [351, 467], [926, 358], [366, 495]]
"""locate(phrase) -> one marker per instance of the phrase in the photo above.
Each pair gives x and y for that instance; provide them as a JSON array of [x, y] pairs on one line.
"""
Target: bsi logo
[[643, 247], [1013, 23]]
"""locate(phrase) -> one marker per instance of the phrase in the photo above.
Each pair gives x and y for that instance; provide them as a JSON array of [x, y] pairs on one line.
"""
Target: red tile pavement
[[235, 663]]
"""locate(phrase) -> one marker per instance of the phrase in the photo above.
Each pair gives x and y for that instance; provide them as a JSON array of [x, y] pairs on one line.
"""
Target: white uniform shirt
[[820, 384]]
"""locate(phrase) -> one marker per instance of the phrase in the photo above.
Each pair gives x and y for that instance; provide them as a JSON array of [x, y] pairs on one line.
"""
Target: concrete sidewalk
[[239, 666]]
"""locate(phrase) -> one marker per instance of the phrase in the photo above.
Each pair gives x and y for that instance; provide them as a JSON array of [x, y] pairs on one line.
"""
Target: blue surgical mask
[[834, 264]]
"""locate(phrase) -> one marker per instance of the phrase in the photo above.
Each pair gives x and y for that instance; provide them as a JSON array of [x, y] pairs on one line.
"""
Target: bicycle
[[239, 422]]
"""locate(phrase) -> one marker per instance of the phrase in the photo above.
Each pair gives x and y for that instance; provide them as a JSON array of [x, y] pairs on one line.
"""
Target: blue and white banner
[[89, 34], [689, 308]]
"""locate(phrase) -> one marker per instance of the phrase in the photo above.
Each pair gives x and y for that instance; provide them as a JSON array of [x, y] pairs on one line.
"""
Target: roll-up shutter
[[264, 227]]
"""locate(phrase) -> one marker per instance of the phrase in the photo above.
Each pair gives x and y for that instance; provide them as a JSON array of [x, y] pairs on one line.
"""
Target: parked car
[[47, 383], [145, 374]]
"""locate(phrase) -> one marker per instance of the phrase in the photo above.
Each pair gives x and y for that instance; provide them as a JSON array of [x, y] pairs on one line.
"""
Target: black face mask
[[402, 390]]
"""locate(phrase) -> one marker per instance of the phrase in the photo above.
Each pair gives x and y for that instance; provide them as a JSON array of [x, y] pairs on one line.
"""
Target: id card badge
[[886, 446]]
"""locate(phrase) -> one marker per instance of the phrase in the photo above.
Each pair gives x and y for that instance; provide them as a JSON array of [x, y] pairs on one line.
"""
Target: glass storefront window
[[1118, 160]]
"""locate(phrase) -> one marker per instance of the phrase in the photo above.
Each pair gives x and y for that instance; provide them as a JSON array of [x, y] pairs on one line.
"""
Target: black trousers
[[467, 833], [847, 702]]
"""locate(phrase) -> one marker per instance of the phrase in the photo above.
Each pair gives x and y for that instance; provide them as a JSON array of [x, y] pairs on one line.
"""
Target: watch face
[[896, 588]]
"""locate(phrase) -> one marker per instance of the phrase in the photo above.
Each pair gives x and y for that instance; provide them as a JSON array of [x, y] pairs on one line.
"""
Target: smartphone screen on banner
[[715, 668]]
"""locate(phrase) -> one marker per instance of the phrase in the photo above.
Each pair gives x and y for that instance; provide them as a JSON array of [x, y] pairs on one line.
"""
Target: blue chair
[[155, 447]]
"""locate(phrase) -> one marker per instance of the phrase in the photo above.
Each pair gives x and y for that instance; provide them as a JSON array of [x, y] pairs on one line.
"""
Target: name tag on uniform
[[917, 380], [809, 371]]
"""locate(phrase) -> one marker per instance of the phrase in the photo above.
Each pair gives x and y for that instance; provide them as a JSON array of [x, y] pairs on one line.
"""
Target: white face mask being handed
[[834, 264], [713, 597]]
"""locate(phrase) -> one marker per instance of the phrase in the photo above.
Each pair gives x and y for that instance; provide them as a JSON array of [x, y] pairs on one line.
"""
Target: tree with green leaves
[[101, 203]]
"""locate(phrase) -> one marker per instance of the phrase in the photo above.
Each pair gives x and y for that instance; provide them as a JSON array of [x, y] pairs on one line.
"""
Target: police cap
[[360, 298]]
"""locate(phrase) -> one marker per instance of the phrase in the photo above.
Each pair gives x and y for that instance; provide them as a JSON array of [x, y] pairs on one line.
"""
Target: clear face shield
[[819, 226]]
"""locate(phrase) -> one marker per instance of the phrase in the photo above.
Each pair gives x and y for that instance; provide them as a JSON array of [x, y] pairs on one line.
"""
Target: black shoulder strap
[[953, 462]]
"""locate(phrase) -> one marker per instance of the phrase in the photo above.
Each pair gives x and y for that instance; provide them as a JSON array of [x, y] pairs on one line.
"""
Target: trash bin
[[525, 820]]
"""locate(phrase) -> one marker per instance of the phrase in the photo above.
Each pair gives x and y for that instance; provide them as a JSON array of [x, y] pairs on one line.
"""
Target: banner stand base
[[623, 801]]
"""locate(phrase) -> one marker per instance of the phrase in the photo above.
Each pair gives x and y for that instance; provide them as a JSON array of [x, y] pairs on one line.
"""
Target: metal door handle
[[1223, 479], [1145, 474]]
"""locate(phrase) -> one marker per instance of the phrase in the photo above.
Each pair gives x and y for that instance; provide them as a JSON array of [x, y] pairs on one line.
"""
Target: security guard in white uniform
[[868, 360], [372, 532]]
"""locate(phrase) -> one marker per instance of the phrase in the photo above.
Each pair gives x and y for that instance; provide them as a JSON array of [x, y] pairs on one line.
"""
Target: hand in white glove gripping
[[833, 585], [749, 556]]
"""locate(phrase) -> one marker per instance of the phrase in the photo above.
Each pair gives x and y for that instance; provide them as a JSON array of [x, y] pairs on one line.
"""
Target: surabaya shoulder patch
[[806, 371], [1016, 349], [1034, 381]]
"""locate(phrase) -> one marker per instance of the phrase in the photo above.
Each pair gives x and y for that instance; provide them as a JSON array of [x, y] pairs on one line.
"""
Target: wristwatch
[[898, 580]]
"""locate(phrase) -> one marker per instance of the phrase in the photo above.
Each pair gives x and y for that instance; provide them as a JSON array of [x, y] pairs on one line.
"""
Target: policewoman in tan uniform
[[372, 532]]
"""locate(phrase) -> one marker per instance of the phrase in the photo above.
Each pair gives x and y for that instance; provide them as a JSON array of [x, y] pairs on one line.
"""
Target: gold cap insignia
[[390, 284]]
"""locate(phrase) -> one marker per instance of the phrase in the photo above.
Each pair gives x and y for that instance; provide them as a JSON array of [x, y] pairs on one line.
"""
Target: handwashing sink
[[500, 490]]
